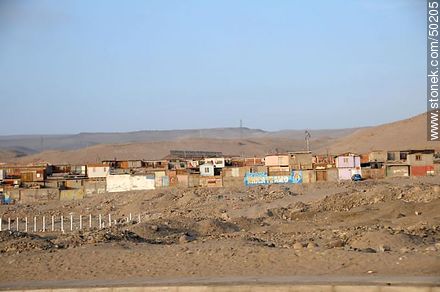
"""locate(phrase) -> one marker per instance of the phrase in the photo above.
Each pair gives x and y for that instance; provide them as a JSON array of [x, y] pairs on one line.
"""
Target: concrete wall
[[69, 195], [140, 182], [38, 195], [94, 187], [182, 180], [126, 182], [193, 180], [212, 181], [74, 183], [233, 181], [397, 170], [373, 173], [332, 174], [309, 176]]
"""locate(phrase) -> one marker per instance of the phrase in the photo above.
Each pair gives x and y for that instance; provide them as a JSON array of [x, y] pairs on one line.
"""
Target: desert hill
[[159, 149], [401, 135], [31, 144]]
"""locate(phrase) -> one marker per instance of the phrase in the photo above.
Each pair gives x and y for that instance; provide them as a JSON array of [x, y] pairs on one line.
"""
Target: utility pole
[[307, 138]]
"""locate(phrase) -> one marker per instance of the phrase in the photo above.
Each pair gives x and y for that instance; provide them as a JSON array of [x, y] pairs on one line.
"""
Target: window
[[206, 169], [345, 160], [418, 157], [390, 156], [403, 155]]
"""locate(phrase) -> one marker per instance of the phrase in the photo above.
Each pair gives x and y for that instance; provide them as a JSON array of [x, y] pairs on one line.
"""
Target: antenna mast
[[307, 138]]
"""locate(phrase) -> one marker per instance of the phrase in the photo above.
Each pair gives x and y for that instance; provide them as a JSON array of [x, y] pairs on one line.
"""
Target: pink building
[[348, 164]]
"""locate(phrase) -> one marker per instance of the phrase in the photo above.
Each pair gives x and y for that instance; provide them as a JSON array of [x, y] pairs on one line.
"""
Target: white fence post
[[35, 223], [44, 223], [53, 224], [130, 217], [109, 220], [9, 223], [99, 221], [71, 222], [26, 224], [17, 223], [139, 218], [1, 223], [90, 221], [80, 222], [62, 224]]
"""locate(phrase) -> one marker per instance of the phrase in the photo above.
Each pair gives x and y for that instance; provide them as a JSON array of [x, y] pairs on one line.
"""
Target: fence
[[64, 223]]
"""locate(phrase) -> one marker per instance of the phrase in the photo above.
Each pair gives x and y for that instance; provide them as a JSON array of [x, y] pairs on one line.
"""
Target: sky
[[109, 66]]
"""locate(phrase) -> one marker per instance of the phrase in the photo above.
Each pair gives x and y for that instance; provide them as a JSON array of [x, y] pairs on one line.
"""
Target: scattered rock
[[297, 245], [384, 248], [431, 248], [184, 238], [335, 243]]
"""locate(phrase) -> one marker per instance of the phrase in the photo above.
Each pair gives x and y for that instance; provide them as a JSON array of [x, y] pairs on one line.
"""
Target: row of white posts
[[35, 226]]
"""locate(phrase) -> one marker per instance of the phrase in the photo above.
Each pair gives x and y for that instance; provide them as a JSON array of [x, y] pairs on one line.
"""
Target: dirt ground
[[385, 227]]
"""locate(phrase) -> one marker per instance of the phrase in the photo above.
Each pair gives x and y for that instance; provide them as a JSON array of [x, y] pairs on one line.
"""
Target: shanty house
[[207, 169], [421, 162], [97, 170], [347, 165]]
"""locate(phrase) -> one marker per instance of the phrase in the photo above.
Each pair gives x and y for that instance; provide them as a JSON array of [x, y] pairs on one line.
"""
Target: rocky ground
[[385, 227]]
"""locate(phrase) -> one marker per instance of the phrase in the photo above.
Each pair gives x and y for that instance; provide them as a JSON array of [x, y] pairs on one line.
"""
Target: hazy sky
[[82, 66]]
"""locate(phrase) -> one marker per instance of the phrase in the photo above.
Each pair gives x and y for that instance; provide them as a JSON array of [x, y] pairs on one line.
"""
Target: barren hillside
[[400, 135], [158, 150]]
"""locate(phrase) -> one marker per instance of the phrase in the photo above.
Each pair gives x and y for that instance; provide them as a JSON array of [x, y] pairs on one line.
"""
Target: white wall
[[126, 182], [97, 171], [206, 170]]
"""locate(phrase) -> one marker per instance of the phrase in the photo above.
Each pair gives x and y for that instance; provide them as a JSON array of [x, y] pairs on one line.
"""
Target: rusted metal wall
[[422, 170]]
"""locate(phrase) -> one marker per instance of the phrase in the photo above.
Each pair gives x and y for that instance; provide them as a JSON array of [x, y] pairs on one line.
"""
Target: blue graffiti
[[261, 178]]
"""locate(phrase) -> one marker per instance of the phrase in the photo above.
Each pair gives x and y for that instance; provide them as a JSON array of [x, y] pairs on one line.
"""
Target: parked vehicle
[[356, 177]]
